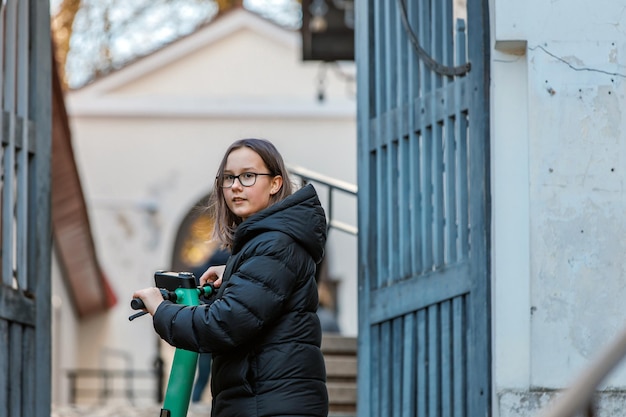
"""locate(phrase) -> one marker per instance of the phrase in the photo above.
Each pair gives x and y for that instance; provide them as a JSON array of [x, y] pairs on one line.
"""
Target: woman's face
[[246, 201]]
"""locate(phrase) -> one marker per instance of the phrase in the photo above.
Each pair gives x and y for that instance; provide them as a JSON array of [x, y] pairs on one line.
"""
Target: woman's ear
[[277, 183]]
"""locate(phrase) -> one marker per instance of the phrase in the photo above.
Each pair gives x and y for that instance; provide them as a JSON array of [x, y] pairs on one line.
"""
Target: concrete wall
[[558, 72]]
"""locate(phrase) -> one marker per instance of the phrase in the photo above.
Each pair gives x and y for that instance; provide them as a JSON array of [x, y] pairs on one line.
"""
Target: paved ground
[[123, 410], [195, 410]]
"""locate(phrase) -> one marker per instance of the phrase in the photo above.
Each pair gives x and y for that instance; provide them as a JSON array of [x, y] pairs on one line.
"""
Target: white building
[[148, 139]]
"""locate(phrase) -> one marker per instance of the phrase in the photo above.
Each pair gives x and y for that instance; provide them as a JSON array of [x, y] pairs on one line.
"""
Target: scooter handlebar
[[137, 303]]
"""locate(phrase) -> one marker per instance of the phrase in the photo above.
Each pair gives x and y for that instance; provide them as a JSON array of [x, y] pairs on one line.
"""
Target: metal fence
[[25, 239]]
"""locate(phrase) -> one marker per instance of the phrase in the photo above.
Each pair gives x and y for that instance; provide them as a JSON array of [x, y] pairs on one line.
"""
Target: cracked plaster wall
[[558, 175]]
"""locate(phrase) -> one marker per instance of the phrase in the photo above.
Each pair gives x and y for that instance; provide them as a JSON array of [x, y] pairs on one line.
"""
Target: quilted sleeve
[[254, 297]]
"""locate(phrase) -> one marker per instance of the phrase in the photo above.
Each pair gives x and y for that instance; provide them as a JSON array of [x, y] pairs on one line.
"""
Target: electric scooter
[[181, 288]]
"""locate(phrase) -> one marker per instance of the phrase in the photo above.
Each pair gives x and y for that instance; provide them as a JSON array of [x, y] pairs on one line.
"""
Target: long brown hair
[[225, 221]]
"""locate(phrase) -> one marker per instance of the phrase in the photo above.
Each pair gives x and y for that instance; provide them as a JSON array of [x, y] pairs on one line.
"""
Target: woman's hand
[[151, 298], [213, 274]]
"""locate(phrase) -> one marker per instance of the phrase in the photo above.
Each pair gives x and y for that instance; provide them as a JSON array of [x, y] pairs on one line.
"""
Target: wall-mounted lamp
[[328, 30], [318, 9]]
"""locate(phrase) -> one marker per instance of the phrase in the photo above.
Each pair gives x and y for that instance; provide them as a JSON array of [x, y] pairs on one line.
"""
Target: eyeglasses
[[247, 179]]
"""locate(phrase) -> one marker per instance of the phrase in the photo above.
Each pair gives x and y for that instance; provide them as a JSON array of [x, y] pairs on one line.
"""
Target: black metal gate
[[25, 129], [423, 114]]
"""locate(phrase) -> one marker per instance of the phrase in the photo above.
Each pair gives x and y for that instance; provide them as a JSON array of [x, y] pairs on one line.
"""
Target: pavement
[[123, 410]]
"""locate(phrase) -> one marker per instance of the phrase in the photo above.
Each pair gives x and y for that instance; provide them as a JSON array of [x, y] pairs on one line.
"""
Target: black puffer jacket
[[262, 328]]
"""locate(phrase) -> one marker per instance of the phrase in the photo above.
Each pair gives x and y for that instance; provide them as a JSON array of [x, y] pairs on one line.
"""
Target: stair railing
[[332, 186], [579, 397]]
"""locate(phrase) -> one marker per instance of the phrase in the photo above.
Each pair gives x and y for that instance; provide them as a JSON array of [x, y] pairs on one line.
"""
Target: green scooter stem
[[183, 370], [179, 287]]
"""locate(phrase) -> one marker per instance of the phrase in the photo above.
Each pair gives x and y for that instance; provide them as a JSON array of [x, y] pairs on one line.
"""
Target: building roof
[[86, 283], [220, 27], [237, 65]]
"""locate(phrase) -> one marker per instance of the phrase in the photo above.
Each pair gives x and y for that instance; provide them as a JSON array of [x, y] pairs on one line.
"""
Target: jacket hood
[[300, 216]]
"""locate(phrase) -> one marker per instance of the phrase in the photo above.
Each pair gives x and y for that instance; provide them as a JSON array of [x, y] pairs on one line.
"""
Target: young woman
[[262, 329]]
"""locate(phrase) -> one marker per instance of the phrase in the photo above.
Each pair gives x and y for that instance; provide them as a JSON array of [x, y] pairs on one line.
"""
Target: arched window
[[193, 247]]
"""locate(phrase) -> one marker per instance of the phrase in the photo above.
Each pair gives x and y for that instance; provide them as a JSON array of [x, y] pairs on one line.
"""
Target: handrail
[[106, 389], [580, 395], [333, 185], [323, 179]]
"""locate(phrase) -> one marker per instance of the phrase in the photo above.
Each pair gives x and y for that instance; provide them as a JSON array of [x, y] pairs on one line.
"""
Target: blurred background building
[[147, 137]]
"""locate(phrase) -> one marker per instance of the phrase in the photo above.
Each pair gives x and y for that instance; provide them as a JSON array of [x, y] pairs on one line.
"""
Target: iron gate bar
[[388, 302], [8, 160], [39, 233], [21, 139], [20, 135], [17, 307], [453, 95]]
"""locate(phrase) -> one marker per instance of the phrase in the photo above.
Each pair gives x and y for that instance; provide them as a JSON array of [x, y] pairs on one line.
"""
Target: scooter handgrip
[[137, 304], [207, 289]]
